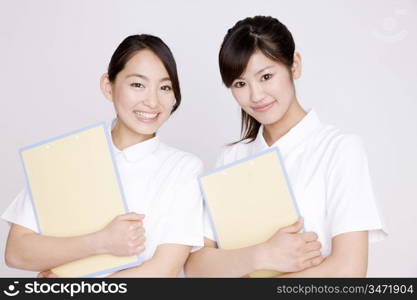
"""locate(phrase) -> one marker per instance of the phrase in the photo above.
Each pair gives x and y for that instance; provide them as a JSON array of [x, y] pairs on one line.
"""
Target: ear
[[106, 87], [296, 66]]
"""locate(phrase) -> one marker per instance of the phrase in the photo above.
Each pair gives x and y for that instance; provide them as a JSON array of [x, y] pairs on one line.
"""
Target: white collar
[[295, 136], [137, 151]]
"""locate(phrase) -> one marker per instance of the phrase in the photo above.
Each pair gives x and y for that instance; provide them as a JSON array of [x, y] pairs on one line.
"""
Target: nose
[[257, 94], [151, 99]]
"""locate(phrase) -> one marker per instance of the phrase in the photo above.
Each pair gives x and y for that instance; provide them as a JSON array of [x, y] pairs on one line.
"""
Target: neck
[[273, 132], [124, 137]]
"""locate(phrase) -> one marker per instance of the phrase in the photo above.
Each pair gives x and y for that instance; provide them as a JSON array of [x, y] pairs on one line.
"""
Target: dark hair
[[134, 43], [266, 34]]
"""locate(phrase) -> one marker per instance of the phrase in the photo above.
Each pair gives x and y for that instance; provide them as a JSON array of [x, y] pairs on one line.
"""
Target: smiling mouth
[[146, 116], [262, 108]]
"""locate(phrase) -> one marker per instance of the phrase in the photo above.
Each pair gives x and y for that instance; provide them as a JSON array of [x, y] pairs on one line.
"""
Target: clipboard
[[249, 200], [75, 189]]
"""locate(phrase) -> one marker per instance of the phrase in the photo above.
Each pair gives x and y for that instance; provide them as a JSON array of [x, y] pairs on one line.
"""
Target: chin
[[142, 129], [268, 120], [145, 130]]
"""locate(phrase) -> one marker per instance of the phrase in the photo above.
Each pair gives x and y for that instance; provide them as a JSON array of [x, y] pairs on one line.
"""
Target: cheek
[[167, 102], [124, 98], [282, 90], [241, 96]]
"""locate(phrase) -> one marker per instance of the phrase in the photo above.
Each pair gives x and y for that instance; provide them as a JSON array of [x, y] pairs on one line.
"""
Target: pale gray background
[[360, 71]]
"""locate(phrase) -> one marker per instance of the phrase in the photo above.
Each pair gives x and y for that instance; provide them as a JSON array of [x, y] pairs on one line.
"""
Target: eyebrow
[[137, 75], [260, 71], [263, 69], [146, 78]]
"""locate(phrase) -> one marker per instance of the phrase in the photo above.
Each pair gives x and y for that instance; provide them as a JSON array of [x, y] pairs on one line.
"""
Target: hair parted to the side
[[134, 43], [262, 33]]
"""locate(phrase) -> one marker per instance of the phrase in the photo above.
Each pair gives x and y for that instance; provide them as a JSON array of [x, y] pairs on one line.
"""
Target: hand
[[289, 251], [47, 274], [124, 235]]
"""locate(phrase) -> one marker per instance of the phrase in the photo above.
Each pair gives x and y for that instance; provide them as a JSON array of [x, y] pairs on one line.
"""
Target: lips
[[263, 107]]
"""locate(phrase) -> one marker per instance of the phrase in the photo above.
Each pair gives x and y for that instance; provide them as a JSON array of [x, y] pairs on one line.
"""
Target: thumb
[[47, 274], [42, 274], [52, 275], [294, 228]]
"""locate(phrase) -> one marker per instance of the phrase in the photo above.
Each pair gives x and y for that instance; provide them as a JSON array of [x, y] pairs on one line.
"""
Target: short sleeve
[[185, 220], [21, 212], [350, 201], [220, 158], [208, 224]]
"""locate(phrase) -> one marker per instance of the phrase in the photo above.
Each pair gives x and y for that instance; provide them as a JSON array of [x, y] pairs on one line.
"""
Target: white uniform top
[[328, 171], [158, 181]]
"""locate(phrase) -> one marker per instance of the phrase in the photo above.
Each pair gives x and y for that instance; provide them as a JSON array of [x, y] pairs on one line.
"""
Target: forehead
[[147, 63], [257, 62]]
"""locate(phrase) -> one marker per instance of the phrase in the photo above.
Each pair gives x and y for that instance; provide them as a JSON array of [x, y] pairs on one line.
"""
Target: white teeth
[[146, 115]]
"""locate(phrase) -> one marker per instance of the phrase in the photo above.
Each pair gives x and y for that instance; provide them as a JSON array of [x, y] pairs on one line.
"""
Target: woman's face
[[142, 93], [265, 90]]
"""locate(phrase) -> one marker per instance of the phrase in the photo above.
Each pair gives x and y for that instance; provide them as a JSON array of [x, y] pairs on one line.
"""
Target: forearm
[[331, 267], [148, 269], [167, 261], [349, 258], [37, 252], [214, 262]]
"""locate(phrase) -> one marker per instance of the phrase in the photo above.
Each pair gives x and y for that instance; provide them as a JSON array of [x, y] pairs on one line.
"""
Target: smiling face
[[265, 90], [142, 94]]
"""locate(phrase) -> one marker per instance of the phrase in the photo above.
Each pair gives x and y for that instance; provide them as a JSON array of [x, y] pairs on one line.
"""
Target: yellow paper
[[75, 191], [249, 201]]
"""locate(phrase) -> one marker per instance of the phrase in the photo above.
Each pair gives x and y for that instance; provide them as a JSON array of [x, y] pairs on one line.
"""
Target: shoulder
[[342, 152], [334, 142], [345, 145]]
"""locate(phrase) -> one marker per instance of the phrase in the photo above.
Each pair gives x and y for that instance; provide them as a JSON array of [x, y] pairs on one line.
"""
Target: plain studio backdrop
[[359, 73]]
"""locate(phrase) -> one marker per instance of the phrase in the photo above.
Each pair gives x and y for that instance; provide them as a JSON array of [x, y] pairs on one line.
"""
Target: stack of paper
[[249, 200], [75, 189]]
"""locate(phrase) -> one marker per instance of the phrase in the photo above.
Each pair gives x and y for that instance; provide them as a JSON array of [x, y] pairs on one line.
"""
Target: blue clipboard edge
[[281, 160], [109, 143]]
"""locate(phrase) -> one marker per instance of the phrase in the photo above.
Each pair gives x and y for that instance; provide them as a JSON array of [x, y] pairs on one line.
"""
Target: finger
[[137, 249], [41, 274], [137, 238], [309, 236], [137, 234], [311, 255], [142, 240], [317, 260], [294, 228], [312, 246], [136, 229], [139, 241], [135, 226], [312, 262], [132, 216], [140, 249]]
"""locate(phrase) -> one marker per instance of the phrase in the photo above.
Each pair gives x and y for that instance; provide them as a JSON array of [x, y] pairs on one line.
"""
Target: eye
[[266, 77], [166, 88], [137, 85], [239, 84]]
